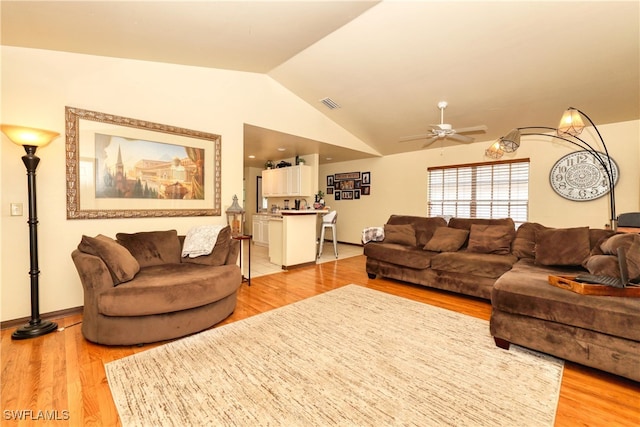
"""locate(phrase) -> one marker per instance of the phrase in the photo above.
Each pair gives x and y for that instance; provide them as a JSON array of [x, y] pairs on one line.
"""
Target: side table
[[242, 238]]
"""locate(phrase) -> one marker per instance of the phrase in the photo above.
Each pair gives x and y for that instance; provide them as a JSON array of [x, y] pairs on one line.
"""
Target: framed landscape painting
[[118, 167]]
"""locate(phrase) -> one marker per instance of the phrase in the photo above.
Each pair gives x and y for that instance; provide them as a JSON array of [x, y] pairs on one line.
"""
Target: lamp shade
[[511, 142], [28, 136], [495, 151], [571, 123]]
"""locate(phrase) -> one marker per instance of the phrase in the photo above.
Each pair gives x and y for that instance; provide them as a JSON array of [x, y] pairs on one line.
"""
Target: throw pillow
[[219, 254], [562, 246], [121, 264], [603, 265], [446, 239], [402, 234], [491, 239], [633, 260], [524, 244], [152, 247], [610, 246]]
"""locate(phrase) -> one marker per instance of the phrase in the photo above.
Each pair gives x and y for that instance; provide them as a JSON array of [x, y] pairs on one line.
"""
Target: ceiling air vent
[[330, 103]]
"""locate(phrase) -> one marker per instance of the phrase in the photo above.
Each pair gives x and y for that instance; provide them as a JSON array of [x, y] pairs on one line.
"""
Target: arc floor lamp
[[570, 126], [31, 139]]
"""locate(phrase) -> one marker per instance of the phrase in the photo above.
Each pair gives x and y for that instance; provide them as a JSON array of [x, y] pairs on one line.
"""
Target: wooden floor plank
[[64, 372]]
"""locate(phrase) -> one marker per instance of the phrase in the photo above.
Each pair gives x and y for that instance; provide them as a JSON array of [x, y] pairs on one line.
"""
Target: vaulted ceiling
[[386, 64]]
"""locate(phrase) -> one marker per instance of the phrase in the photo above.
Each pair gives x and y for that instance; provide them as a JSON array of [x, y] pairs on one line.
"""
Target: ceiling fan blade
[[414, 137], [460, 138], [478, 128], [430, 141]]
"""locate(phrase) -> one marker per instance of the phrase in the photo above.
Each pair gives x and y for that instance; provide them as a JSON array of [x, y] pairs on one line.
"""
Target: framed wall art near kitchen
[[118, 167]]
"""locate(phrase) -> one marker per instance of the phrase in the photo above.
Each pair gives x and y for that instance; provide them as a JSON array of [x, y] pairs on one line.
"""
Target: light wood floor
[[63, 372]]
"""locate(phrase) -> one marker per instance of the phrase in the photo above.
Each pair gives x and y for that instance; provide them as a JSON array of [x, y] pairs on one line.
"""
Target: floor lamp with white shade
[[31, 139]]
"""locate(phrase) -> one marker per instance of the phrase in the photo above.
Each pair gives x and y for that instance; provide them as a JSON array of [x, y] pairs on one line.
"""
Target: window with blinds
[[481, 190]]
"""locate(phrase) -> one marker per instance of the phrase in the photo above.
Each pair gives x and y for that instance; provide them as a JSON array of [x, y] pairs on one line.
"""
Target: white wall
[[36, 87], [399, 182]]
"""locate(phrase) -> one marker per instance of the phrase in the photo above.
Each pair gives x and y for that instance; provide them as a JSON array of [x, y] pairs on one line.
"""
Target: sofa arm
[[93, 272], [234, 250]]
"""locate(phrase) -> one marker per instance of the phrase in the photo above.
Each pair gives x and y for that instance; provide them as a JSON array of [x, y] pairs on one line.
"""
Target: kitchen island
[[293, 236]]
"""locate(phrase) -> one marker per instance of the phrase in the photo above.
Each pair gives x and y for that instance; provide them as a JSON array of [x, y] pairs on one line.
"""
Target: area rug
[[349, 357]]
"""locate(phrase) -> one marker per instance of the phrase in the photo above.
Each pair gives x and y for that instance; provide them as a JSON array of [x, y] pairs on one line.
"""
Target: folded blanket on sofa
[[200, 240], [372, 234]]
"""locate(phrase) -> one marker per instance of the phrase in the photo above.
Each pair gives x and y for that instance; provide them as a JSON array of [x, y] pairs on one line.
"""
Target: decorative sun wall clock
[[579, 176]]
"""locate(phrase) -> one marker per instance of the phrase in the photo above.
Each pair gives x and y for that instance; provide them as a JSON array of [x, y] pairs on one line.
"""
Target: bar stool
[[329, 221]]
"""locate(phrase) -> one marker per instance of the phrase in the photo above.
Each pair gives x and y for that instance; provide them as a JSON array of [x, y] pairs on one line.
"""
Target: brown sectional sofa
[[596, 331], [139, 289]]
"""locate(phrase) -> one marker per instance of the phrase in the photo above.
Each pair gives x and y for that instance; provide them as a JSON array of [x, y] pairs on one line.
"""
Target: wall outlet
[[16, 209]]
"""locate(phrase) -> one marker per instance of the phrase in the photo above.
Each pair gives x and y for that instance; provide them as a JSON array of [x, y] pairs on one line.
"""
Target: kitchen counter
[[303, 212], [292, 237], [295, 212]]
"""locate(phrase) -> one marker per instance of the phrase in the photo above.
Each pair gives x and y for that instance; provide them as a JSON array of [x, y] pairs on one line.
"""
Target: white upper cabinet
[[287, 181]]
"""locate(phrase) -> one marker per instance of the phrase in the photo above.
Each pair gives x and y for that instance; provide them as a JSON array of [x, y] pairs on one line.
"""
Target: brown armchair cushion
[[446, 239], [402, 234], [121, 264], [491, 239], [562, 246], [152, 247]]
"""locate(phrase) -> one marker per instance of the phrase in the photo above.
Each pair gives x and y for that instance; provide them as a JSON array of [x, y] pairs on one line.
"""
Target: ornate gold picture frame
[[118, 167]]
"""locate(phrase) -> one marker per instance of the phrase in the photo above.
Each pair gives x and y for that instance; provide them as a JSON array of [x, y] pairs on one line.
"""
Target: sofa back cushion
[[524, 244], [491, 239], [121, 264], [562, 246], [152, 247], [466, 223], [423, 226]]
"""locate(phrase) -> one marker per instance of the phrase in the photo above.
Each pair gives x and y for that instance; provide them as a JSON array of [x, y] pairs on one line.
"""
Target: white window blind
[[481, 190]]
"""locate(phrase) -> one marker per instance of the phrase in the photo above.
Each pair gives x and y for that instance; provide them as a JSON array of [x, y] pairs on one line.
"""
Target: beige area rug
[[350, 357]]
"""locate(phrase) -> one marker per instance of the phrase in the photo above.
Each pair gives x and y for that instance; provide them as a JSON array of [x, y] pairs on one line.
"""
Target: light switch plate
[[16, 209]]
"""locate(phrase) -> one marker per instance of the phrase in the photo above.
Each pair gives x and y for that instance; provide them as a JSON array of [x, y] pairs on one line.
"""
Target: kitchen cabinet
[[260, 230], [275, 240], [287, 181]]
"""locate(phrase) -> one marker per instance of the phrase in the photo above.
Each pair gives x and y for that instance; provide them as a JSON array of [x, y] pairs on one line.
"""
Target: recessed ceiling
[[265, 145], [387, 64]]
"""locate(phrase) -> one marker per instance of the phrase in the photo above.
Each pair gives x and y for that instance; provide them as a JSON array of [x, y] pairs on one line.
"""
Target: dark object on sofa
[[139, 289]]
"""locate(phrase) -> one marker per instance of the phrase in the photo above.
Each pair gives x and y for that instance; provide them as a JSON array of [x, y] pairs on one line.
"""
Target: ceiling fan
[[444, 130]]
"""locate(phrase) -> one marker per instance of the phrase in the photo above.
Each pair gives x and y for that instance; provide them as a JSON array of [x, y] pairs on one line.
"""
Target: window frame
[[465, 180]]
